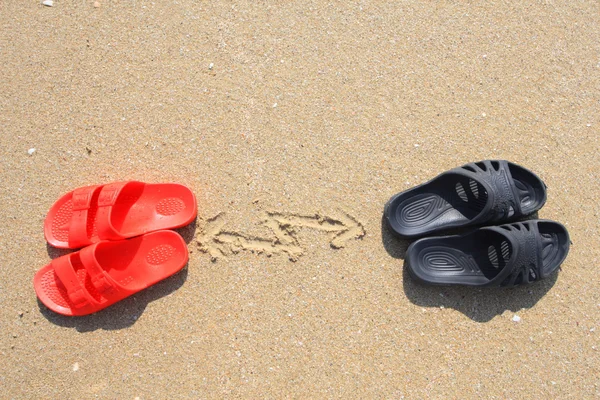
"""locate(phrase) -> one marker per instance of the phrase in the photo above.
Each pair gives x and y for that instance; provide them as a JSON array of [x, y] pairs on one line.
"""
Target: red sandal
[[117, 211], [102, 274]]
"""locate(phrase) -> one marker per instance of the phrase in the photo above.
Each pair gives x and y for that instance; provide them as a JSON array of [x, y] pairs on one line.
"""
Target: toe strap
[[110, 195], [525, 263], [79, 235], [495, 176], [99, 278], [78, 294], [66, 269]]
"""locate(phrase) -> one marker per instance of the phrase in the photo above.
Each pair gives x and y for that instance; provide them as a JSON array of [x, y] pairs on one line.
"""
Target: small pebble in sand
[[211, 66], [516, 318], [21, 314], [274, 105], [48, 3], [96, 4], [76, 367], [31, 151]]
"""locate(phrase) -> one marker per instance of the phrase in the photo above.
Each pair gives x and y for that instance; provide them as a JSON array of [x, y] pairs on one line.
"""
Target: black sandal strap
[[495, 176], [526, 261]]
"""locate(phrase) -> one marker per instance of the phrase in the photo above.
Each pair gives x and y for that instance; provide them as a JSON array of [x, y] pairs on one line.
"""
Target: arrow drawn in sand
[[219, 242]]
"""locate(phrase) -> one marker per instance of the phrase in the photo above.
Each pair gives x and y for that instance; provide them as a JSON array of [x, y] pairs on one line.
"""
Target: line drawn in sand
[[219, 242]]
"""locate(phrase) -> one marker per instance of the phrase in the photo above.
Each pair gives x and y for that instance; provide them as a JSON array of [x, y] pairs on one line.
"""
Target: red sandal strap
[[101, 280], [64, 269], [78, 225], [98, 276], [106, 201]]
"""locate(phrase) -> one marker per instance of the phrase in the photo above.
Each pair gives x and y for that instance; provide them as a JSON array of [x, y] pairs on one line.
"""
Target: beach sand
[[314, 113]]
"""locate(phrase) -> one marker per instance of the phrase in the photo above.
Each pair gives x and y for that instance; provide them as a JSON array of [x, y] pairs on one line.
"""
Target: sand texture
[[294, 123]]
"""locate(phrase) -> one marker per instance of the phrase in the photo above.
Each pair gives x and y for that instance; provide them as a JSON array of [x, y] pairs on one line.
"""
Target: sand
[[314, 113]]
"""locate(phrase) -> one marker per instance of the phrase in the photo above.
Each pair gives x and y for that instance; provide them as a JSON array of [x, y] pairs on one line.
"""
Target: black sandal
[[474, 194], [505, 255]]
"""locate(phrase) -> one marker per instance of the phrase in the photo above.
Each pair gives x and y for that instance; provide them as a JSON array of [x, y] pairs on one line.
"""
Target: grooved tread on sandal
[[474, 194], [505, 255]]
